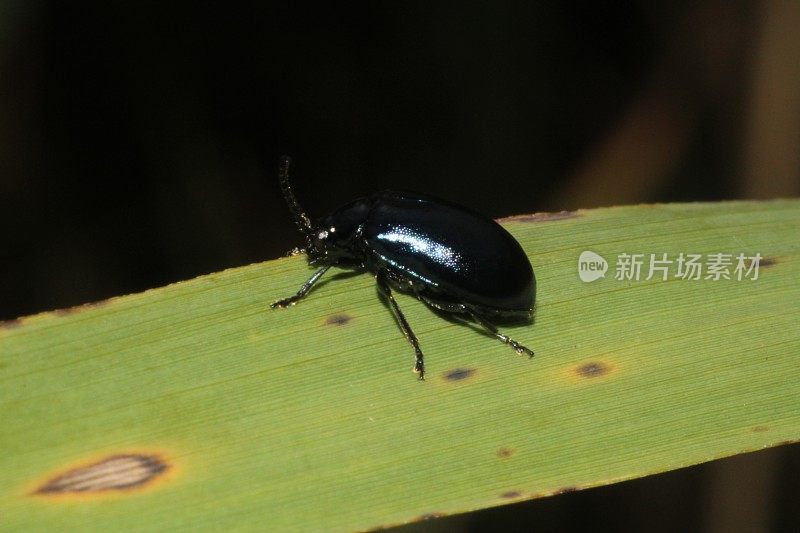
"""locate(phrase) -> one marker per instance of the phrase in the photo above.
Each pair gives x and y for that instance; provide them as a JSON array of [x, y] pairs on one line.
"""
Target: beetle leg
[[291, 300], [294, 251], [520, 349], [386, 290]]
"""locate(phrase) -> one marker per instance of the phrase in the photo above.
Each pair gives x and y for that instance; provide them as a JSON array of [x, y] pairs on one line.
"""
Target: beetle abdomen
[[450, 250]]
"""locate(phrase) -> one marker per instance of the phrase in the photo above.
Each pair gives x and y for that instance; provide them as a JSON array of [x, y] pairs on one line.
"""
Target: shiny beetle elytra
[[453, 259]]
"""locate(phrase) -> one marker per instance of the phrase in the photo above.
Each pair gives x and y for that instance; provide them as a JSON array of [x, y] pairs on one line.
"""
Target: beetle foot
[[419, 368], [282, 304], [520, 349], [295, 251]]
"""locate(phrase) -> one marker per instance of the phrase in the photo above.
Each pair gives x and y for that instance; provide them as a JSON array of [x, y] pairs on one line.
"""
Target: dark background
[[139, 145]]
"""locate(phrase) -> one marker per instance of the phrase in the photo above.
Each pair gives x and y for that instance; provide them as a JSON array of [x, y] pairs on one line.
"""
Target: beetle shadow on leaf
[[499, 320]]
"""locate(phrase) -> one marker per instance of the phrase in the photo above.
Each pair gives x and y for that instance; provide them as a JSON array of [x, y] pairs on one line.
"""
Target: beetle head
[[335, 239]]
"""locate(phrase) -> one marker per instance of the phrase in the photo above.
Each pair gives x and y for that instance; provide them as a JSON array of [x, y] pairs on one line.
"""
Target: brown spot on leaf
[[79, 308], [339, 319], [17, 322], [505, 452], [593, 369], [66, 311], [565, 490], [541, 217], [114, 473], [760, 429], [459, 374], [431, 516], [766, 262], [511, 494], [11, 324]]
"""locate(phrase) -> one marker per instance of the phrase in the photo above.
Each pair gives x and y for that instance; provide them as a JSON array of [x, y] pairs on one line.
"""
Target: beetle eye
[[322, 235]]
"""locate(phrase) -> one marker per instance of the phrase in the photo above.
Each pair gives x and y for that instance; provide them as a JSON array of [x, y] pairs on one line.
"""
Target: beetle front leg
[[291, 300], [386, 290], [520, 349]]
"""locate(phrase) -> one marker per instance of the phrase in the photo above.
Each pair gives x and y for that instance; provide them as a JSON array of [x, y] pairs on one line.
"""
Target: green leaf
[[196, 406]]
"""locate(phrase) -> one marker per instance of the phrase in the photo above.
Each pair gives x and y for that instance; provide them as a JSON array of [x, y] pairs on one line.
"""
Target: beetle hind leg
[[386, 290], [491, 328], [458, 308]]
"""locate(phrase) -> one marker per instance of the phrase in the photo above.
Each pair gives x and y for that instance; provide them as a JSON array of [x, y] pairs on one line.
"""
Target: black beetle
[[451, 258]]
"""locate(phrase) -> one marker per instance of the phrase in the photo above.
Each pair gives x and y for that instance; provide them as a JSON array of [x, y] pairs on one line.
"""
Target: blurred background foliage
[[139, 143]]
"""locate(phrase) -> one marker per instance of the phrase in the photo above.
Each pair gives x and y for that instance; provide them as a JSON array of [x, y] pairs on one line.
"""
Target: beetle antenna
[[300, 218]]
